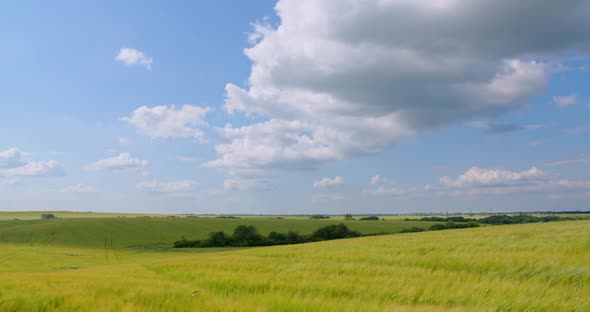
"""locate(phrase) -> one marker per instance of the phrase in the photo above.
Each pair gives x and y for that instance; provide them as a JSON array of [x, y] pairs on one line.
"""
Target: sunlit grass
[[531, 267]]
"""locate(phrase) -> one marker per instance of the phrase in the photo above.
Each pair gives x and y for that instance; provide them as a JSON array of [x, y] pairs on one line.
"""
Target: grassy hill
[[162, 232], [54, 244], [34, 215], [71, 265]]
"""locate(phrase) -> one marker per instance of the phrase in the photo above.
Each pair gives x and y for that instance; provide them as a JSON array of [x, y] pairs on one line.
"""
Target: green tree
[[48, 216], [246, 235], [334, 231], [219, 239]]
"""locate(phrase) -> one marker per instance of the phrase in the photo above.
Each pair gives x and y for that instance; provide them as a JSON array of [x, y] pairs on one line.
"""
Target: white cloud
[[329, 182], [36, 169], [124, 162], [393, 191], [11, 158], [382, 188], [572, 161], [565, 101], [579, 195], [498, 128], [245, 184], [188, 159], [481, 177], [13, 165], [133, 57], [378, 180], [577, 130], [341, 78], [534, 126], [166, 122], [276, 143], [8, 181], [79, 189], [123, 141], [480, 181], [154, 186]]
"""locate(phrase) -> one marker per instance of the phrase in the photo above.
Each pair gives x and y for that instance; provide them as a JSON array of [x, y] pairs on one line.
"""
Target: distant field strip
[[529, 267], [161, 232], [47, 238]]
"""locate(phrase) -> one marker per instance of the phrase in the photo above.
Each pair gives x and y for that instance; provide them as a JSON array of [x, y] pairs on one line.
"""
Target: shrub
[[497, 219], [413, 229], [333, 231], [505, 219], [370, 218], [473, 224], [48, 216], [183, 243], [437, 227], [452, 225], [277, 238], [318, 216], [295, 238], [227, 217]]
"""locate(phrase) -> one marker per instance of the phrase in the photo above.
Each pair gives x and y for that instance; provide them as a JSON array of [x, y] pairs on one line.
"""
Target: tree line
[[248, 236], [497, 219]]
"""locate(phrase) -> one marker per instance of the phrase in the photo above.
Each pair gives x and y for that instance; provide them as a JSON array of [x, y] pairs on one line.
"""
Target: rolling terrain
[[113, 264]]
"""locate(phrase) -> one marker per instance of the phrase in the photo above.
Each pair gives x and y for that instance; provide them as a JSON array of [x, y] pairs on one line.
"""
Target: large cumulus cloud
[[341, 78]]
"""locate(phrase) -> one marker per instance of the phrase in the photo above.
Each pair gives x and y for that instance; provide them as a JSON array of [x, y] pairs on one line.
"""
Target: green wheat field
[[122, 262]]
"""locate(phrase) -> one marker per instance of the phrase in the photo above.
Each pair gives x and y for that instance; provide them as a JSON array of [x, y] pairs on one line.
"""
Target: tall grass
[[530, 267]]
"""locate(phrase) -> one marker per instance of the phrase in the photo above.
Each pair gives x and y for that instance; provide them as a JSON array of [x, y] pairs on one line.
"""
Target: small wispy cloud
[[133, 57], [560, 68], [577, 130], [8, 181], [328, 182], [379, 180], [12, 164], [188, 159], [499, 128], [154, 186], [565, 101], [78, 189], [246, 184], [124, 162], [571, 161], [123, 141], [169, 122]]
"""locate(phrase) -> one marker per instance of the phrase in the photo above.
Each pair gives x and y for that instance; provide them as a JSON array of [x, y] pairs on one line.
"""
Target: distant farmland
[[112, 264]]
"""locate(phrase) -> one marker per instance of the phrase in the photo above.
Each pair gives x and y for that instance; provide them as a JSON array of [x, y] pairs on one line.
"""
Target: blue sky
[[294, 107]]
